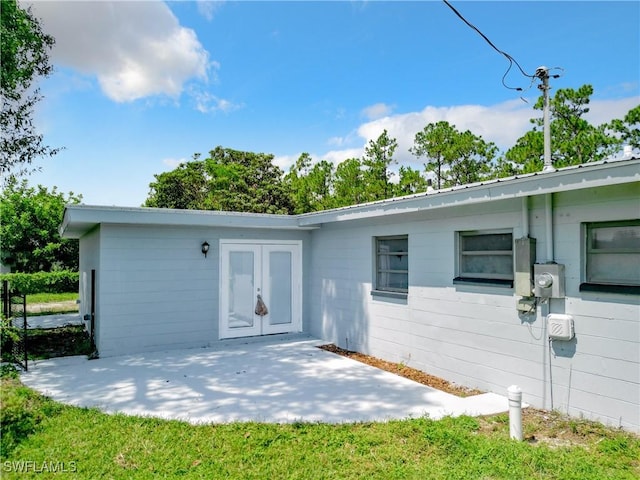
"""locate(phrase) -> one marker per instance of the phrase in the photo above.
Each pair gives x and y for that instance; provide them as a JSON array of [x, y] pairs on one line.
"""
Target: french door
[[253, 272]]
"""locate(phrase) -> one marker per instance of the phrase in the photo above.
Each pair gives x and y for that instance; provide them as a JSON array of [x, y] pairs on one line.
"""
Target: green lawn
[[51, 297], [51, 303], [91, 445]]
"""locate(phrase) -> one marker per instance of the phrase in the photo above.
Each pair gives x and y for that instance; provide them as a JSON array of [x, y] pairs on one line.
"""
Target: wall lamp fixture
[[205, 248]]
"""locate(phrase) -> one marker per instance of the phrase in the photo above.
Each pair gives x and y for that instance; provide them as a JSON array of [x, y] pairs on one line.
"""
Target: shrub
[[8, 335], [42, 282]]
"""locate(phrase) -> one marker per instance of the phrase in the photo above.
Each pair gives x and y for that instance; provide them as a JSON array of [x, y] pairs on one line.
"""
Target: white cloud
[[502, 124], [379, 110], [207, 102], [603, 111], [173, 162], [285, 161], [338, 156], [208, 8], [135, 49], [346, 140]]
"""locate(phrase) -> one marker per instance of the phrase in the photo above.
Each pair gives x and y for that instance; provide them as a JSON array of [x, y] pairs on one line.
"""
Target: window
[[613, 257], [485, 257], [392, 264]]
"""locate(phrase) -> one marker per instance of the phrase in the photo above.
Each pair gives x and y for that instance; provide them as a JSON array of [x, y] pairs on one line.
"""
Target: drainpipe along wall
[[548, 207], [525, 217]]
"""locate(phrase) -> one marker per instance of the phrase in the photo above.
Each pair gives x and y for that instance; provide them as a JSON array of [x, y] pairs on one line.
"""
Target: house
[[532, 280]]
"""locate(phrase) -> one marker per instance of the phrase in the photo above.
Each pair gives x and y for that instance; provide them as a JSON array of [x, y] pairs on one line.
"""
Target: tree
[[503, 168], [310, 184], [25, 56], [377, 160], [185, 187], [454, 157], [573, 139], [410, 182], [30, 218], [472, 159], [229, 180], [628, 129], [349, 186], [435, 143]]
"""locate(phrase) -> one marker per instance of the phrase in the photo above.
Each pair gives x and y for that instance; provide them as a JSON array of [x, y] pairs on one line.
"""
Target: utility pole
[[543, 74]]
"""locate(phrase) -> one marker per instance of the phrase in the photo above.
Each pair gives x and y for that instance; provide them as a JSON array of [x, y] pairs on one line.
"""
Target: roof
[[79, 219]]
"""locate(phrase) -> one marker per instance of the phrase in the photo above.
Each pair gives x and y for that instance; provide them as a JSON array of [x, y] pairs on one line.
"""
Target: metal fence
[[14, 312]]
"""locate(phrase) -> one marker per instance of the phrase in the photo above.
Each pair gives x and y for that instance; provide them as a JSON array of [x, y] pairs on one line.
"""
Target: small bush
[[8, 335], [8, 371]]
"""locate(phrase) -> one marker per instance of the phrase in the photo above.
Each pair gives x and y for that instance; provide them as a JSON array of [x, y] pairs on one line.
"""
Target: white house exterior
[[442, 281]]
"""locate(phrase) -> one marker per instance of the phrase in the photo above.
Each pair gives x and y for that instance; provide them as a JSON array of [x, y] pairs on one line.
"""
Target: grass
[[97, 445], [47, 304], [52, 297]]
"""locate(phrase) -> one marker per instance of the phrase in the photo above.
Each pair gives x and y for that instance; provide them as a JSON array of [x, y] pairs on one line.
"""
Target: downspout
[[525, 217], [548, 207]]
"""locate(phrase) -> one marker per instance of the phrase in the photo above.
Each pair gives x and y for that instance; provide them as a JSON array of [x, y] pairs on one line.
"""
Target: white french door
[[250, 271]]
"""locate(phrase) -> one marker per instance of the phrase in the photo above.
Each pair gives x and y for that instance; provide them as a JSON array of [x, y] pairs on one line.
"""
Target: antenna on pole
[[543, 74]]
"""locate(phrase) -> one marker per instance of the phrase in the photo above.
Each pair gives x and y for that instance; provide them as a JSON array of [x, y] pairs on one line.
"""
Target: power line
[[501, 52]]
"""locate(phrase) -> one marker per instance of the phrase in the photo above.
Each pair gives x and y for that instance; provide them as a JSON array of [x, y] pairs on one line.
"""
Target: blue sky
[[141, 86]]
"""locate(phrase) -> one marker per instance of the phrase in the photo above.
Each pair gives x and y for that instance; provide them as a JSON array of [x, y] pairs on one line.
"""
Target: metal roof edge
[[531, 184], [80, 218]]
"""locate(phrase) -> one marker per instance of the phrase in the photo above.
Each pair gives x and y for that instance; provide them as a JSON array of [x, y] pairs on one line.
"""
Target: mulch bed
[[404, 371]]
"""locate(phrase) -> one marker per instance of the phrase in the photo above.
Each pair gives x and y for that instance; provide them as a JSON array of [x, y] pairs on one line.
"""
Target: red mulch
[[404, 371]]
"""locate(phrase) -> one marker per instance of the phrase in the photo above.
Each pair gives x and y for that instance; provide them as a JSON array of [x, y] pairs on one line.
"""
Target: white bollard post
[[515, 412]]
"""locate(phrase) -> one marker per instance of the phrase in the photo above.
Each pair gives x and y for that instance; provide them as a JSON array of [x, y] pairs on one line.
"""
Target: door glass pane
[[241, 288], [280, 283]]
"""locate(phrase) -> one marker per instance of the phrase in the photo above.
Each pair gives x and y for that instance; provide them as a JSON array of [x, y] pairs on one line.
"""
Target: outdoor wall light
[[205, 248]]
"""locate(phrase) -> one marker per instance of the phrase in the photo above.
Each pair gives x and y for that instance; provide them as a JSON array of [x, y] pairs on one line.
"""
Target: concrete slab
[[275, 380], [50, 321]]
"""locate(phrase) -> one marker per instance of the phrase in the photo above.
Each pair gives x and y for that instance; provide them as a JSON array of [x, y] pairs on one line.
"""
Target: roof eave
[[80, 219]]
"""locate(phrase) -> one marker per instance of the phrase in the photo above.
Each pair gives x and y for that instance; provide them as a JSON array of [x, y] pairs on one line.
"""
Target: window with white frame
[[485, 256], [392, 264], [612, 255]]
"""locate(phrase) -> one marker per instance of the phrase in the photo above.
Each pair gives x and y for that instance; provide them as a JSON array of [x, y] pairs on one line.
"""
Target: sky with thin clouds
[[140, 87]]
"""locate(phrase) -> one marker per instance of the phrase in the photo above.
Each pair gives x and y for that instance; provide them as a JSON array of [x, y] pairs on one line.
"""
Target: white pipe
[[548, 208], [515, 412], [525, 217]]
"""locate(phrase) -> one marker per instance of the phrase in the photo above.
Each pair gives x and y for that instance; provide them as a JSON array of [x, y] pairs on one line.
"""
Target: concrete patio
[[270, 379], [49, 321]]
